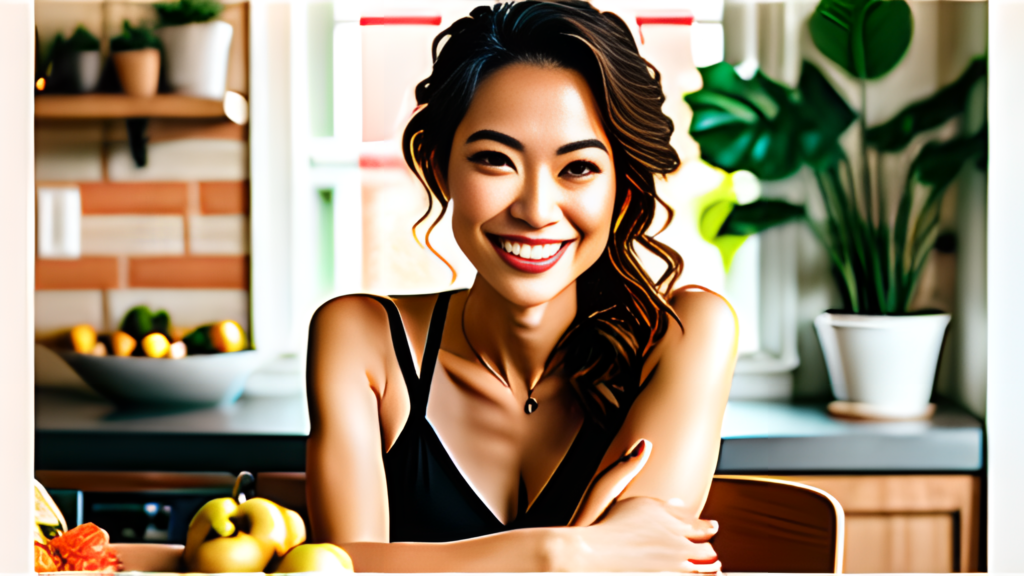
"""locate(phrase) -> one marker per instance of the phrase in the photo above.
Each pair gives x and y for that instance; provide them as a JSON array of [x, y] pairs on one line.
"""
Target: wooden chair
[[768, 525]]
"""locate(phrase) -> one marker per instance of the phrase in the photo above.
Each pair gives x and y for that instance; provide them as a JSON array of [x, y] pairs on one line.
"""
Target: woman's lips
[[528, 265]]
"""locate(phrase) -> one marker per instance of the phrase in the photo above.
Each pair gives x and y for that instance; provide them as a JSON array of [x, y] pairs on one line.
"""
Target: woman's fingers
[[697, 529], [712, 568], [610, 483]]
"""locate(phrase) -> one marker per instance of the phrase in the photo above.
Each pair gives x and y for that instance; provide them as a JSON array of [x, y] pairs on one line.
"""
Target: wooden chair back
[[768, 525]]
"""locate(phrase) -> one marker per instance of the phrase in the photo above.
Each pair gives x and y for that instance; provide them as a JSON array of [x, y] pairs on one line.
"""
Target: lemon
[[156, 345], [83, 338], [227, 336]]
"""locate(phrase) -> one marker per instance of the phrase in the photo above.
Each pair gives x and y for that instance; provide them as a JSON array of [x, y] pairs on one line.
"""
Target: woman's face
[[531, 181]]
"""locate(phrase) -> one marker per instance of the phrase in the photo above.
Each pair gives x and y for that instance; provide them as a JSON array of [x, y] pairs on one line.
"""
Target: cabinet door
[[920, 523]]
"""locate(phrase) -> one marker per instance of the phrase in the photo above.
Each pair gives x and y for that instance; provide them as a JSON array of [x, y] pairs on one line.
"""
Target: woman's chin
[[528, 292]]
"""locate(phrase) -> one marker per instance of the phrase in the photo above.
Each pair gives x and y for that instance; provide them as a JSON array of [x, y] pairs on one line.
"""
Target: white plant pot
[[196, 58], [89, 66], [885, 361]]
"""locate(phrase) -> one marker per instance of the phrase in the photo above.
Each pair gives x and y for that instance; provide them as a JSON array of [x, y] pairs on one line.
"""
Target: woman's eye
[[580, 168], [490, 158]]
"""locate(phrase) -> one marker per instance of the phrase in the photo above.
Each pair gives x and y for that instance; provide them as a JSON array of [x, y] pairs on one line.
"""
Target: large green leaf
[[865, 37], [825, 115], [928, 113], [745, 124], [938, 163], [758, 216]]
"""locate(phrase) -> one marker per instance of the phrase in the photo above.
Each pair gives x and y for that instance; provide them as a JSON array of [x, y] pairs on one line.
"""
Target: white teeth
[[529, 252]]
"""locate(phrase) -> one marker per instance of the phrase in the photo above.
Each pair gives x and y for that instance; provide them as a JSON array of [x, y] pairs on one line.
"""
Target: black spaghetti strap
[[430, 351], [399, 341]]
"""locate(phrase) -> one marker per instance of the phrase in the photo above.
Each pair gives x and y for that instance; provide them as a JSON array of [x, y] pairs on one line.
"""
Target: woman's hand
[[640, 534], [647, 535]]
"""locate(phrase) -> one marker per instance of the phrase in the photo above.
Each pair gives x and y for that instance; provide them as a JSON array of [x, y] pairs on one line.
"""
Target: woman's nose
[[538, 201]]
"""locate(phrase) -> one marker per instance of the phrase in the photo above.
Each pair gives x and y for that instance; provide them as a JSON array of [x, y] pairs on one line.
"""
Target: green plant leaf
[[826, 116], [758, 216], [745, 124], [938, 163], [928, 113], [134, 38], [187, 11], [867, 38]]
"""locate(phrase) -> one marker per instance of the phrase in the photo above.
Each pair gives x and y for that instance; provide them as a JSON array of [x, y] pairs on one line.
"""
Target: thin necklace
[[531, 403]]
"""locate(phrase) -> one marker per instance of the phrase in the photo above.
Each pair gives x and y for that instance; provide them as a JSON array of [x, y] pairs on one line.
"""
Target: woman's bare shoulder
[[359, 313], [704, 310]]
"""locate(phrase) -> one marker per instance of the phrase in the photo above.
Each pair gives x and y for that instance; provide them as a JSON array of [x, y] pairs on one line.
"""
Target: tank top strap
[[399, 341], [430, 352]]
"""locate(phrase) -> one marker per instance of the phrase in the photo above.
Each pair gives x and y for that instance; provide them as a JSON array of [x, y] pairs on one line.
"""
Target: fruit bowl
[[199, 380]]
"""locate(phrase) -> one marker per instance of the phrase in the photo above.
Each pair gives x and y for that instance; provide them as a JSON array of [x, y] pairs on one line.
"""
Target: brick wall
[[171, 235]]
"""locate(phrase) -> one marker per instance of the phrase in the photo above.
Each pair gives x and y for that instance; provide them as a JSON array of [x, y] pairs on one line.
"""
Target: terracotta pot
[[138, 71], [887, 362]]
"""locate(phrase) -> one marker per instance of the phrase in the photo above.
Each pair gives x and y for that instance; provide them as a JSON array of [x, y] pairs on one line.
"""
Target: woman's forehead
[[543, 105]]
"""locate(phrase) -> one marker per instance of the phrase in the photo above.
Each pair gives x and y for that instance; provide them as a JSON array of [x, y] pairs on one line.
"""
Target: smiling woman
[[562, 388]]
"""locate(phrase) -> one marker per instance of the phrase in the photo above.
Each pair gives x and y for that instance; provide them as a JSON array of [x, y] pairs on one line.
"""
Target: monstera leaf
[[764, 127], [745, 124], [759, 216], [866, 37], [929, 113], [826, 116]]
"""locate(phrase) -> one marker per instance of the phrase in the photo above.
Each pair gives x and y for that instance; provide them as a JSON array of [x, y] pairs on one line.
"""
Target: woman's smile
[[529, 254]]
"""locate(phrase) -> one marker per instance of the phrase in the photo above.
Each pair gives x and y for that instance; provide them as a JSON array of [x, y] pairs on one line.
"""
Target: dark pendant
[[531, 405]]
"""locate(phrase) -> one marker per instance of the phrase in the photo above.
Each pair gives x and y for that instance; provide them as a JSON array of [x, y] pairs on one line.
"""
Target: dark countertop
[[78, 430]]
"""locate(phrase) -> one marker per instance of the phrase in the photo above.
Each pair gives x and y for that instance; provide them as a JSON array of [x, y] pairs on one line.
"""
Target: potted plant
[[197, 47], [75, 63], [877, 352], [136, 54]]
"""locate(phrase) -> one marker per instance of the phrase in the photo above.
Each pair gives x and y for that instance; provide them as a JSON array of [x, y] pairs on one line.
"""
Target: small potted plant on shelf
[[196, 46], [881, 356], [75, 63], [136, 54]]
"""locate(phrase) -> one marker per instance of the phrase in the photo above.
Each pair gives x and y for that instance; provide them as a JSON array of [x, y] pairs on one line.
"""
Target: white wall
[[1004, 424], [17, 41]]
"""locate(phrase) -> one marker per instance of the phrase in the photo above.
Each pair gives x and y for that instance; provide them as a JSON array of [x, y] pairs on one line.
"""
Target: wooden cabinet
[[907, 523]]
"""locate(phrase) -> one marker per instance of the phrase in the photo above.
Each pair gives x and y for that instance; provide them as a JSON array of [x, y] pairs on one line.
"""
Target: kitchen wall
[[173, 234]]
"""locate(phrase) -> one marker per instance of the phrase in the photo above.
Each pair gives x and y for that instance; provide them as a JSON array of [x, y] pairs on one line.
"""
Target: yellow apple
[[239, 553], [316, 558]]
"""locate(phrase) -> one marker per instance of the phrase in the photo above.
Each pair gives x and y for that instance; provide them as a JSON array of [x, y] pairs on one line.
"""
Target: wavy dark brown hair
[[621, 312]]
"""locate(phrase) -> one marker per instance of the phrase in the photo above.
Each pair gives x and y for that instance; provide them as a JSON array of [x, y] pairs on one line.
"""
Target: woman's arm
[[681, 409], [348, 370]]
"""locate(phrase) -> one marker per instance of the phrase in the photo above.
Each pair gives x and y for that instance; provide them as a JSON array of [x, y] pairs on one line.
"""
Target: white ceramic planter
[[196, 58], [89, 66], [885, 361]]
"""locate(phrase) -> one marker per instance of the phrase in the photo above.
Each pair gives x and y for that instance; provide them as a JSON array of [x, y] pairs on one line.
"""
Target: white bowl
[[200, 380]]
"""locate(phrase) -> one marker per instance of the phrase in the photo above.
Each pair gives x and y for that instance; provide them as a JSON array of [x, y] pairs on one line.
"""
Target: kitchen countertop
[[78, 430]]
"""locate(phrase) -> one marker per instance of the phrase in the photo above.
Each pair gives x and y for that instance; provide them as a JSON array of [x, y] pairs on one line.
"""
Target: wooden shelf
[[113, 106]]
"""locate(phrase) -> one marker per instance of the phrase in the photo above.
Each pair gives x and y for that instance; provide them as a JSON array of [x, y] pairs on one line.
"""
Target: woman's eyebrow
[[574, 146], [497, 137]]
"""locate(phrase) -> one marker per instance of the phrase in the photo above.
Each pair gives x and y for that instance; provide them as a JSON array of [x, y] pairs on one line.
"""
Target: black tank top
[[429, 499]]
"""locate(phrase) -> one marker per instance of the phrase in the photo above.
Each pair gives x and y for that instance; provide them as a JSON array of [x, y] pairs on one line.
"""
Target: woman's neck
[[516, 340]]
